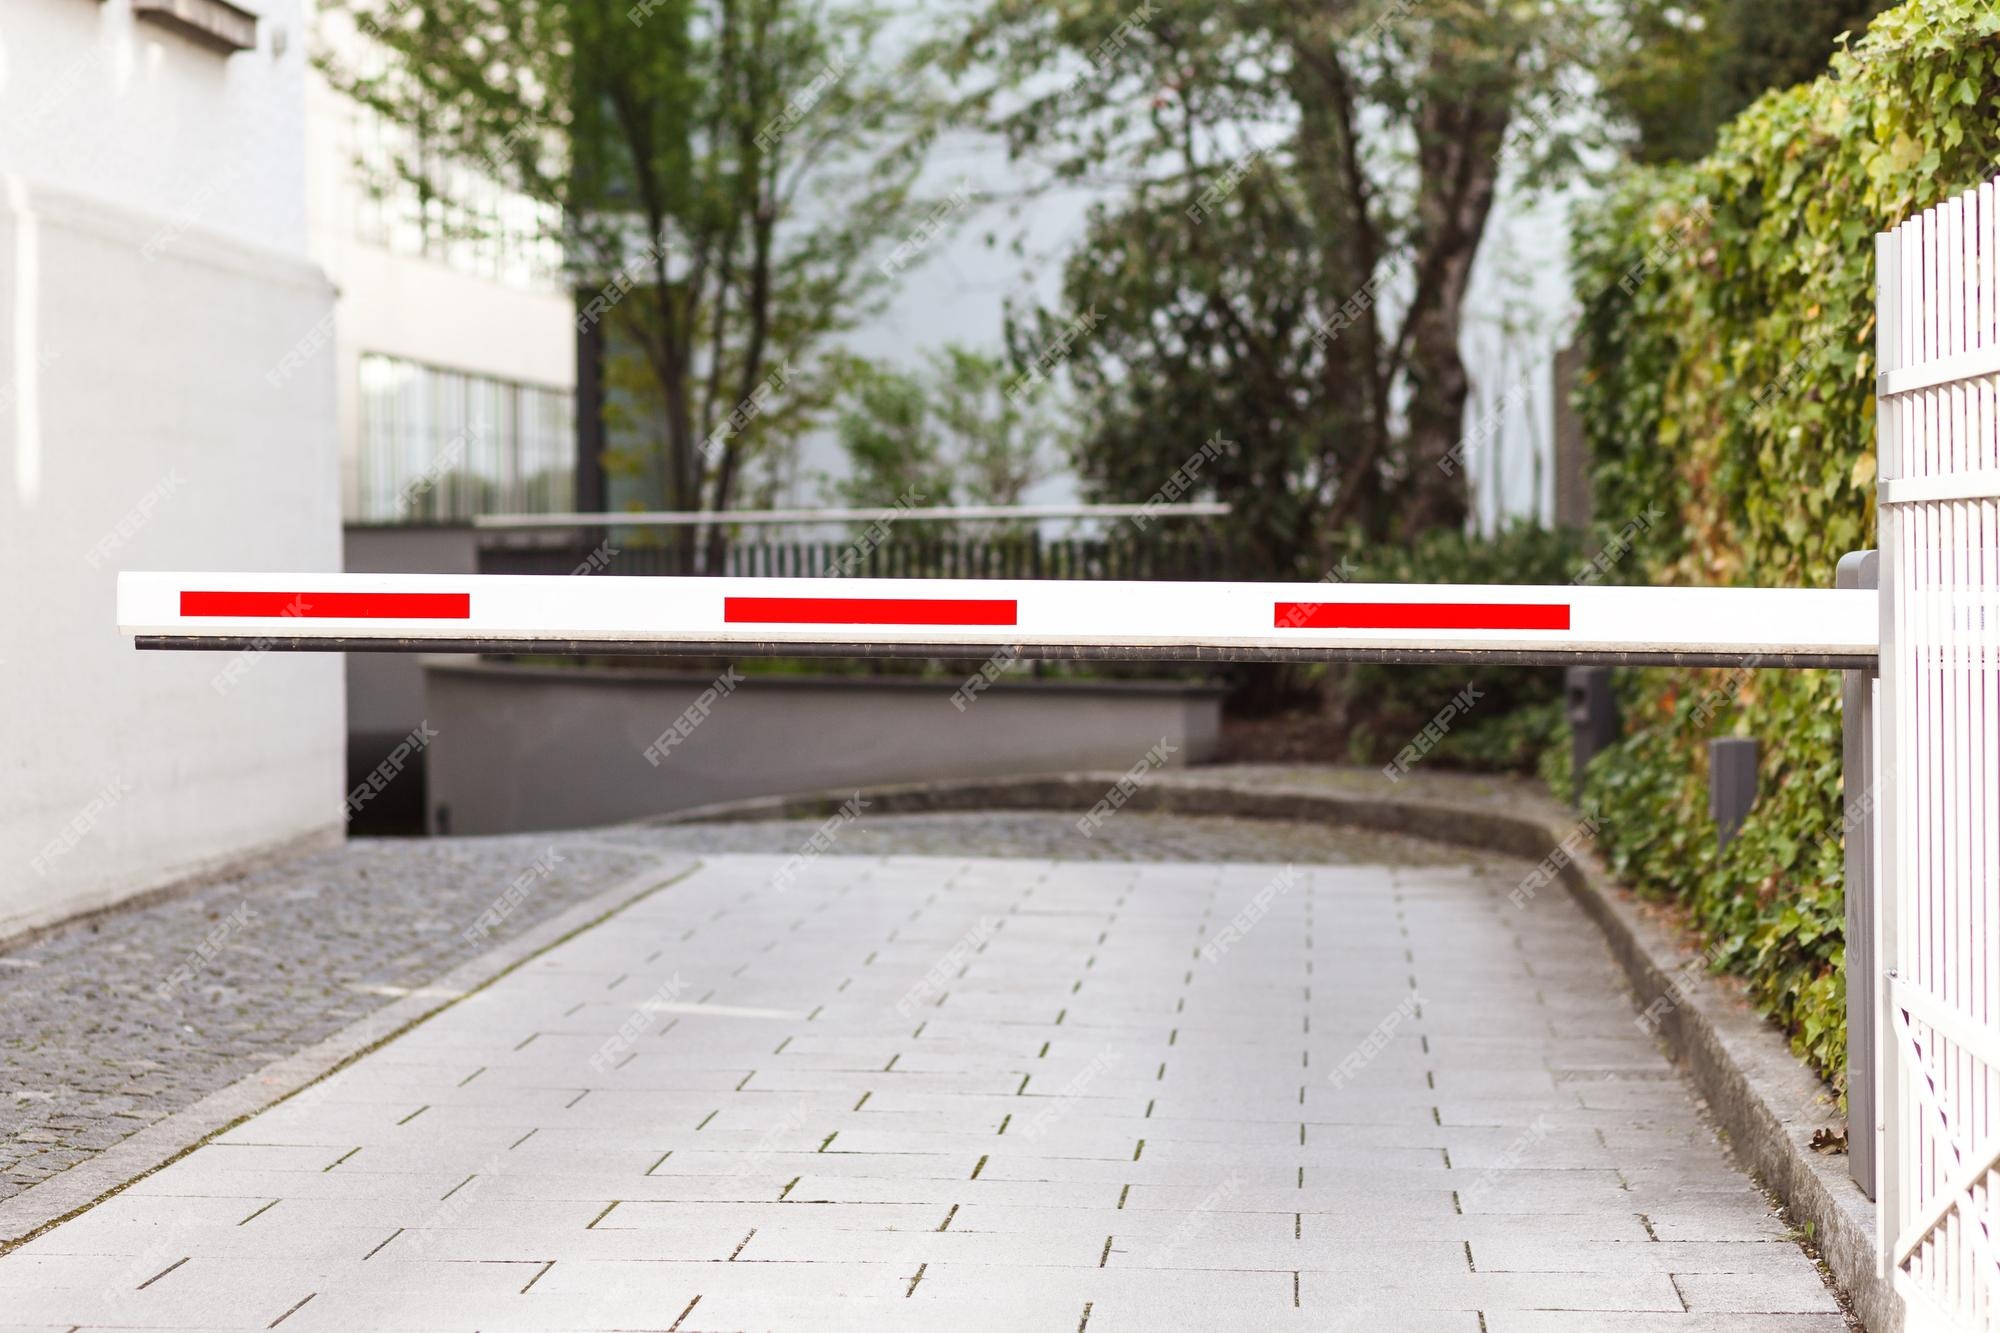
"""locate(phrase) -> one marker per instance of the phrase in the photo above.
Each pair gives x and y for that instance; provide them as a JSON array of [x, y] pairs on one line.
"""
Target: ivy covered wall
[[1729, 328]]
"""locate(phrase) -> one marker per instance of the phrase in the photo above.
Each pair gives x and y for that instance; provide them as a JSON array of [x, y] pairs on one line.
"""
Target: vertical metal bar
[[1966, 1279], [1959, 935], [1593, 719], [1891, 1179], [1859, 800], [1926, 901], [1987, 270]]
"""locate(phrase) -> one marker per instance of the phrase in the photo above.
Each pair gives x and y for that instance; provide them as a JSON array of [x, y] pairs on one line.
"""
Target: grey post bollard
[[1857, 770], [1732, 784], [1593, 717]]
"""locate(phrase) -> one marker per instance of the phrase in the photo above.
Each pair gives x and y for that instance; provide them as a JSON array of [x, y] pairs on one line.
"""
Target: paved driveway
[[943, 1092], [109, 1026]]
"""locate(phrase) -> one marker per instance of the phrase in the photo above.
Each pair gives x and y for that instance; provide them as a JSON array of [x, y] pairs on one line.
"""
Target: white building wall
[[418, 310], [166, 402], [98, 103], [1520, 312]]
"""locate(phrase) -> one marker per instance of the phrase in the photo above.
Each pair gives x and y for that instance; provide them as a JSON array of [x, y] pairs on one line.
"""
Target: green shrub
[[1728, 328]]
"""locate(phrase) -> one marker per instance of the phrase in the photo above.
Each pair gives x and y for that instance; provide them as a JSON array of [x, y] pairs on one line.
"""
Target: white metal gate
[[1938, 338]]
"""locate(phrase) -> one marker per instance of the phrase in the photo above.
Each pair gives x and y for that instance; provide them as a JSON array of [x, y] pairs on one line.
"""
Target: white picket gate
[[1938, 997]]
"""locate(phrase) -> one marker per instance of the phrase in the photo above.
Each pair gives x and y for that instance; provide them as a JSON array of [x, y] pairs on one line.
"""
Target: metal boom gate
[[1237, 622]]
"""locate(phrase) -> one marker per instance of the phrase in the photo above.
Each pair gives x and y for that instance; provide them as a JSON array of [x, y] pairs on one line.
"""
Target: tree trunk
[[1458, 149], [1352, 373]]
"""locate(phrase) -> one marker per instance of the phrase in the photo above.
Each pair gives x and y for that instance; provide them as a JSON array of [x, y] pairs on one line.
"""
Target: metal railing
[[1183, 557]]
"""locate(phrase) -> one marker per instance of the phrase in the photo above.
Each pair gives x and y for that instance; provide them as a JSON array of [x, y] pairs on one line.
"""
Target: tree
[[949, 433], [1690, 66], [1307, 187], [886, 431], [721, 169], [1001, 443]]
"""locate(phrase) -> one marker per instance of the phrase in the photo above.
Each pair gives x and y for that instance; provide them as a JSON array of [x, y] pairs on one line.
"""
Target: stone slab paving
[[112, 1025], [963, 1092]]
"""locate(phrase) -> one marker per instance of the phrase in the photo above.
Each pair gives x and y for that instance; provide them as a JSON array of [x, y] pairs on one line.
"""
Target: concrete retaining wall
[[385, 691], [520, 748]]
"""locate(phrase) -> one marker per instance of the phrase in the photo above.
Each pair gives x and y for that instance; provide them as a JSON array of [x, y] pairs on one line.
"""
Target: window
[[441, 446], [467, 222]]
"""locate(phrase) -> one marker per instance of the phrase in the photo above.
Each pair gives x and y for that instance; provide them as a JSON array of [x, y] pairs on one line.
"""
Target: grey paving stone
[[1128, 1221], [1016, 1251], [1786, 1292], [739, 1217], [1607, 1295], [918, 1312], [1712, 1219], [1517, 1254], [1164, 1298], [354, 1306]]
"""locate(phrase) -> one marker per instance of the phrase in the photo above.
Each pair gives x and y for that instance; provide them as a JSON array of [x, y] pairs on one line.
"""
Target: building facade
[[456, 362], [166, 402], [455, 372]]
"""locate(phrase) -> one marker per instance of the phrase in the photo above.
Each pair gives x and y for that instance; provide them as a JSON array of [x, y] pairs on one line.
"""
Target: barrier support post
[[1858, 779], [1593, 718]]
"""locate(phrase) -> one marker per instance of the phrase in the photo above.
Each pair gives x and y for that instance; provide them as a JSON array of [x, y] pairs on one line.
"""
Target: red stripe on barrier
[[1423, 615], [868, 611], [330, 605]]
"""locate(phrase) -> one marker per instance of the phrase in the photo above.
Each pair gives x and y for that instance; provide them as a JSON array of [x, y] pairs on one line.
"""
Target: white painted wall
[[98, 103], [166, 402], [1520, 311]]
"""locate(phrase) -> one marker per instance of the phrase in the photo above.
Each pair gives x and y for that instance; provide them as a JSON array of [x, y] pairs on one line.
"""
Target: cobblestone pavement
[[921, 1093], [1491, 789], [108, 1027], [1127, 836]]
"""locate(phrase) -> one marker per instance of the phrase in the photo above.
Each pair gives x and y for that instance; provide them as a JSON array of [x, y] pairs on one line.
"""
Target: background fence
[[1180, 557]]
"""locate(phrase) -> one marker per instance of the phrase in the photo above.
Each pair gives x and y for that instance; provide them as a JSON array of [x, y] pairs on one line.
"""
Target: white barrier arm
[[957, 617]]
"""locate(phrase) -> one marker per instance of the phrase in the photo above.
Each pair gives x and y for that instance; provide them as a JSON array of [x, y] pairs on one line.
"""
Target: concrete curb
[[1765, 1101], [61, 1197]]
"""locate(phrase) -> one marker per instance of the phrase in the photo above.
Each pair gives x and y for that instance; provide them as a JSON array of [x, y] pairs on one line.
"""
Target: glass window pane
[[442, 446]]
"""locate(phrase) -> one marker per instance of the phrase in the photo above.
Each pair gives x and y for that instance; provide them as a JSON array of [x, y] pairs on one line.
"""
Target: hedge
[[1728, 335]]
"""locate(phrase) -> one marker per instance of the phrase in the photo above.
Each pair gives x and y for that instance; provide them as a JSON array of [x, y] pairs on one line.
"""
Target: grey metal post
[[1732, 784], [1593, 717], [1857, 769]]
